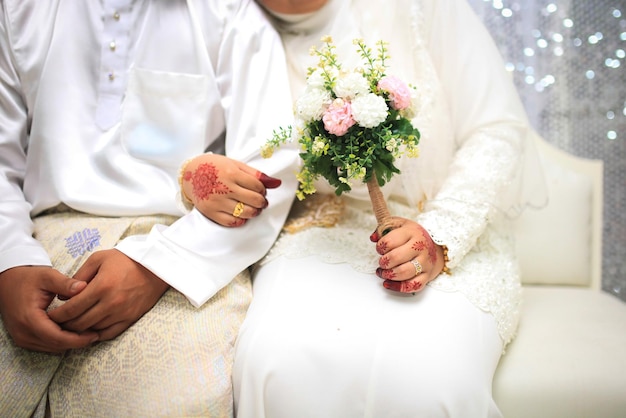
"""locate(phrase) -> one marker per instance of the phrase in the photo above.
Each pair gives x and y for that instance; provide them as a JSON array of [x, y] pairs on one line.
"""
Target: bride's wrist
[[445, 268], [181, 179]]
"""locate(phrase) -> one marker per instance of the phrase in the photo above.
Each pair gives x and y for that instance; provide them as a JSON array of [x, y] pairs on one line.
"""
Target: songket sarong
[[174, 361]]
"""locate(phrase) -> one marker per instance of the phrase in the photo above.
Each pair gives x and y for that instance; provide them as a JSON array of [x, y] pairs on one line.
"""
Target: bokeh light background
[[568, 60]]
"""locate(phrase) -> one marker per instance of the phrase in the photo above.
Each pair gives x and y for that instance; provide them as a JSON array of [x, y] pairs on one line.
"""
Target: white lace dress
[[323, 338]]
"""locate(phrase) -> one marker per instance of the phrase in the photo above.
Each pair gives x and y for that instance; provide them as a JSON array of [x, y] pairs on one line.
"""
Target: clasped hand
[[107, 295], [408, 242]]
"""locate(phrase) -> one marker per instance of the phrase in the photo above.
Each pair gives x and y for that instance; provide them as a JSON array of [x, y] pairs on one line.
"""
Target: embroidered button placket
[[117, 32]]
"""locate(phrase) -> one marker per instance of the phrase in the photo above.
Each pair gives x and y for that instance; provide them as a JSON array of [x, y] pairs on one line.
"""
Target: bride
[[335, 331]]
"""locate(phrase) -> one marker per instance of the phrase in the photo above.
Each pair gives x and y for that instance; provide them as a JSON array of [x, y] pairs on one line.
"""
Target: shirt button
[[116, 15], [111, 76], [112, 45]]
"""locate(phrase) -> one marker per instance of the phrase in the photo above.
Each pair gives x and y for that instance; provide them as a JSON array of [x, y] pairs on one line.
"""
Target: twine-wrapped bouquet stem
[[379, 205]]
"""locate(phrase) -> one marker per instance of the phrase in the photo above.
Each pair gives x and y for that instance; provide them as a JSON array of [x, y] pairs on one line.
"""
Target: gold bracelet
[[445, 260], [181, 174]]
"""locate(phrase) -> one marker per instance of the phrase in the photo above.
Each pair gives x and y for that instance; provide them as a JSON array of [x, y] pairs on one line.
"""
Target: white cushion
[[553, 243], [568, 358]]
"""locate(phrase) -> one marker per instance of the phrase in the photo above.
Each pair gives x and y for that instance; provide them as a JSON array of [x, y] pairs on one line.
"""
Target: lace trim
[[346, 242]]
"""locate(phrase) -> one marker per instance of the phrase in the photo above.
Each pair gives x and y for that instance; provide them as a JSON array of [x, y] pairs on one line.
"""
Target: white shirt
[[75, 127]]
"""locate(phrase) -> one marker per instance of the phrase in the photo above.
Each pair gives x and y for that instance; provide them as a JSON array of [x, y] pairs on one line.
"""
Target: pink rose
[[338, 117], [399, 93]]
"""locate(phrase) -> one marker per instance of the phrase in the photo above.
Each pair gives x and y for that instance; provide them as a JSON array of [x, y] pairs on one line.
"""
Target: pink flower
[[399, 93], [338, 117]]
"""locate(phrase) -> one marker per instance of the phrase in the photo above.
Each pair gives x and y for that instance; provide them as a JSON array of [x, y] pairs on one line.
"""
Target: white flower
[[312, 104], [369, 110], [298, 129], [315, 80], [350, 85], [319, 146], [318, 78], [392, 145]]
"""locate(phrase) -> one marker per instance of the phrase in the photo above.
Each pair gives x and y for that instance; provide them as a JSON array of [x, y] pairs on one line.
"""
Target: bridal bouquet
[[351, 125]]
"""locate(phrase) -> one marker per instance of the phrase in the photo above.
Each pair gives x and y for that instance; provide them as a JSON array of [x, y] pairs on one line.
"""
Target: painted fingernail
[[391, 285], [269, 182], [374, 237]]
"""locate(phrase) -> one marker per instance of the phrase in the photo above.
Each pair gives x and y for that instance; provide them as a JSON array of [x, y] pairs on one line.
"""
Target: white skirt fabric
[[322, 340]]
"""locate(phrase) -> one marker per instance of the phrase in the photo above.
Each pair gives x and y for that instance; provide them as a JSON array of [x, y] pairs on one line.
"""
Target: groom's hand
[[119, 292], [25, 294]]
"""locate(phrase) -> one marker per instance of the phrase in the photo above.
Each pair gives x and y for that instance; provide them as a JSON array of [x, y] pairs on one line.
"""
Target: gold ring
[[418, 266], [238, 210]]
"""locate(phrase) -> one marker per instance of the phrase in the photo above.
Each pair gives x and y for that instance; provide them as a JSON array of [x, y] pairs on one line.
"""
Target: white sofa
[[569, 357]]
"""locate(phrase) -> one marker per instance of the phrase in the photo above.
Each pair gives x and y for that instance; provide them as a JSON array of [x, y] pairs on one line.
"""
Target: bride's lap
[[323, 340]]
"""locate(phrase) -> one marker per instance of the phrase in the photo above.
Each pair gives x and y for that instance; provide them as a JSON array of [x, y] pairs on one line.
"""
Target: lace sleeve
[[468, 201], [493, 171]]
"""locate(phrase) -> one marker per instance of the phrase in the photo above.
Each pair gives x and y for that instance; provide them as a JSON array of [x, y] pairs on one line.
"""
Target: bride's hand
[[409, 257], [224, 190]]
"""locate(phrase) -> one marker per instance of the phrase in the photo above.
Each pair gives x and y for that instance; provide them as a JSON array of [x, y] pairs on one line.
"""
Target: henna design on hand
[[411, 286], [205, 181], [428, 245], [381, 247], [404, 287], [384, 262]]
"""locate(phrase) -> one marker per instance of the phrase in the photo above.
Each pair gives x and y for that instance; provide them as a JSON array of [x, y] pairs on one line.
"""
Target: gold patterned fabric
[[175, 361]]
